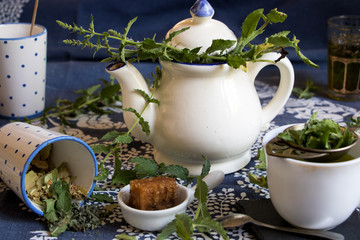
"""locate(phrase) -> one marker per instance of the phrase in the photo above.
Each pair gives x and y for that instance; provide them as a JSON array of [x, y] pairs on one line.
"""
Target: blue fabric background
[[70, 68], [307, 19]]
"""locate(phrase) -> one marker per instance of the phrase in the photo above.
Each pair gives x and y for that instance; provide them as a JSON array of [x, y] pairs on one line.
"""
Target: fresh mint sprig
[[307, 92], [92, 99], [184, 226], [244, 51]]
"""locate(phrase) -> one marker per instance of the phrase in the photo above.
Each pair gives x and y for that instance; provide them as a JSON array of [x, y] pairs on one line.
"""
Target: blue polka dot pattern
[[21, 142], [25, 61]]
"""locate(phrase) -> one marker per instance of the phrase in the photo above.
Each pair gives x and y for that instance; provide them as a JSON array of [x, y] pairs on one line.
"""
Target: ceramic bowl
[[156, 220], [310, 194]]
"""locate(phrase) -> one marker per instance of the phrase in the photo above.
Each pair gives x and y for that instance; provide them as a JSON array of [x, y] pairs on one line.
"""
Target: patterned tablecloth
[[17, 220]]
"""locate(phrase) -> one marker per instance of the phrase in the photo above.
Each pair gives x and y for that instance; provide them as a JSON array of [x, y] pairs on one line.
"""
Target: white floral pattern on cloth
[[10, 10], [221, 200]]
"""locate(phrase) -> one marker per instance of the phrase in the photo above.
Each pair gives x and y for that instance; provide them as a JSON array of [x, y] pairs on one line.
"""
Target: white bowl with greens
[[314, 195]]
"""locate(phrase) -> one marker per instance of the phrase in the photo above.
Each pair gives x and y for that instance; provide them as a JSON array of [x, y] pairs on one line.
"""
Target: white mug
[[22, 70], [313, 195]]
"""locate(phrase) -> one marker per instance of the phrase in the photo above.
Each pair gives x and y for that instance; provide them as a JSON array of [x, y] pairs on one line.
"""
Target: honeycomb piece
[[153, 193]]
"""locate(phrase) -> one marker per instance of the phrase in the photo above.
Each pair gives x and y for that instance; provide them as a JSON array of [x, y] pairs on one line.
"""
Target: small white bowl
[[156, 220]]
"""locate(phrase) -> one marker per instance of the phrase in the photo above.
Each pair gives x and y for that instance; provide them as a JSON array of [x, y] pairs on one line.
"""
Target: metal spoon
[[279, 148], [239, 219]]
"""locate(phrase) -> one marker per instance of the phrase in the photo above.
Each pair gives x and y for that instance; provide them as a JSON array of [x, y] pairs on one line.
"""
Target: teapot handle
[[285, 85]]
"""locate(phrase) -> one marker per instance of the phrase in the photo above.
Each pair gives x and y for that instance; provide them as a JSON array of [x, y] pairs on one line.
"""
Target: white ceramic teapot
[[205, 109]]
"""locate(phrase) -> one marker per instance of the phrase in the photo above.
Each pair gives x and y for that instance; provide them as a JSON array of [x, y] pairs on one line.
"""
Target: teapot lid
[[203, 29]]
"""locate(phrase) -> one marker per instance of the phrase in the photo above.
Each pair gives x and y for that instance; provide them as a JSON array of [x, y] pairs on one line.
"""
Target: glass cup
[[344, 57]]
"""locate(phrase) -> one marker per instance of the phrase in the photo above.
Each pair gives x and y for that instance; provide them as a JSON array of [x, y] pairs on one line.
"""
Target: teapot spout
[[130, 80]]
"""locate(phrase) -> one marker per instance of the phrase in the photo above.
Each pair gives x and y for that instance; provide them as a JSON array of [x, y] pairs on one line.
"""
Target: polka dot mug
[[21, 142], [22, 70]]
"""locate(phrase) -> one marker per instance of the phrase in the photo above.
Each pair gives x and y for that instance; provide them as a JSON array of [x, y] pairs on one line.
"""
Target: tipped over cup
[[21, 142]]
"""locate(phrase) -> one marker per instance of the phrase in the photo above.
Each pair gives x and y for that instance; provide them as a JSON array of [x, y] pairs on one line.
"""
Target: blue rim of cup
[[21, 38], [36, 151]]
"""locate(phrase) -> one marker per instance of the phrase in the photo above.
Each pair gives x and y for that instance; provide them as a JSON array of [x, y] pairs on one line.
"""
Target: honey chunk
[[153, 193]]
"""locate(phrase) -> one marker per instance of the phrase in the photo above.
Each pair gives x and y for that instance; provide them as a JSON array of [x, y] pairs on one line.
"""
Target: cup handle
[[284, 90]]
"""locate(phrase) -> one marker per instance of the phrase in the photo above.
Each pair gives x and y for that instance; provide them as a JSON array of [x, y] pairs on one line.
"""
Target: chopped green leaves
[[319, 134]]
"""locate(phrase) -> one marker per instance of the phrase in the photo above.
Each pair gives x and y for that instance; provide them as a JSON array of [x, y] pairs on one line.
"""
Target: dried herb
[[42, 173], [63, 214], [244, 50]]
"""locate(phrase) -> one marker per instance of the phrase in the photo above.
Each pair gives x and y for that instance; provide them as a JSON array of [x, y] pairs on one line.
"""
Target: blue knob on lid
[[202, 8]]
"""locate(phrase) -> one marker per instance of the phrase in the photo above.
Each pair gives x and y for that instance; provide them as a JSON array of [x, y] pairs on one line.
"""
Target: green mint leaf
[[64, 203], [103, 175], [157, 76], [123, 177], [259, 180], [60, 227], [109, 91], [302, 56], [348, 138], [100, 148], [250, 23], [275, 16], [149, 44], [175, 171], [175, 33], [280, 39], [235, 61], [184, 227], [201, 190], [145, 167], [49, 212], [249, 31], [168, 230], [123, 138], [57, 186], [111, 135], [206, 167], [262, 157], [220, 45], [102, 198], [211, 224], [306, 93], [202, 211], [144, 124], [91, 90]]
